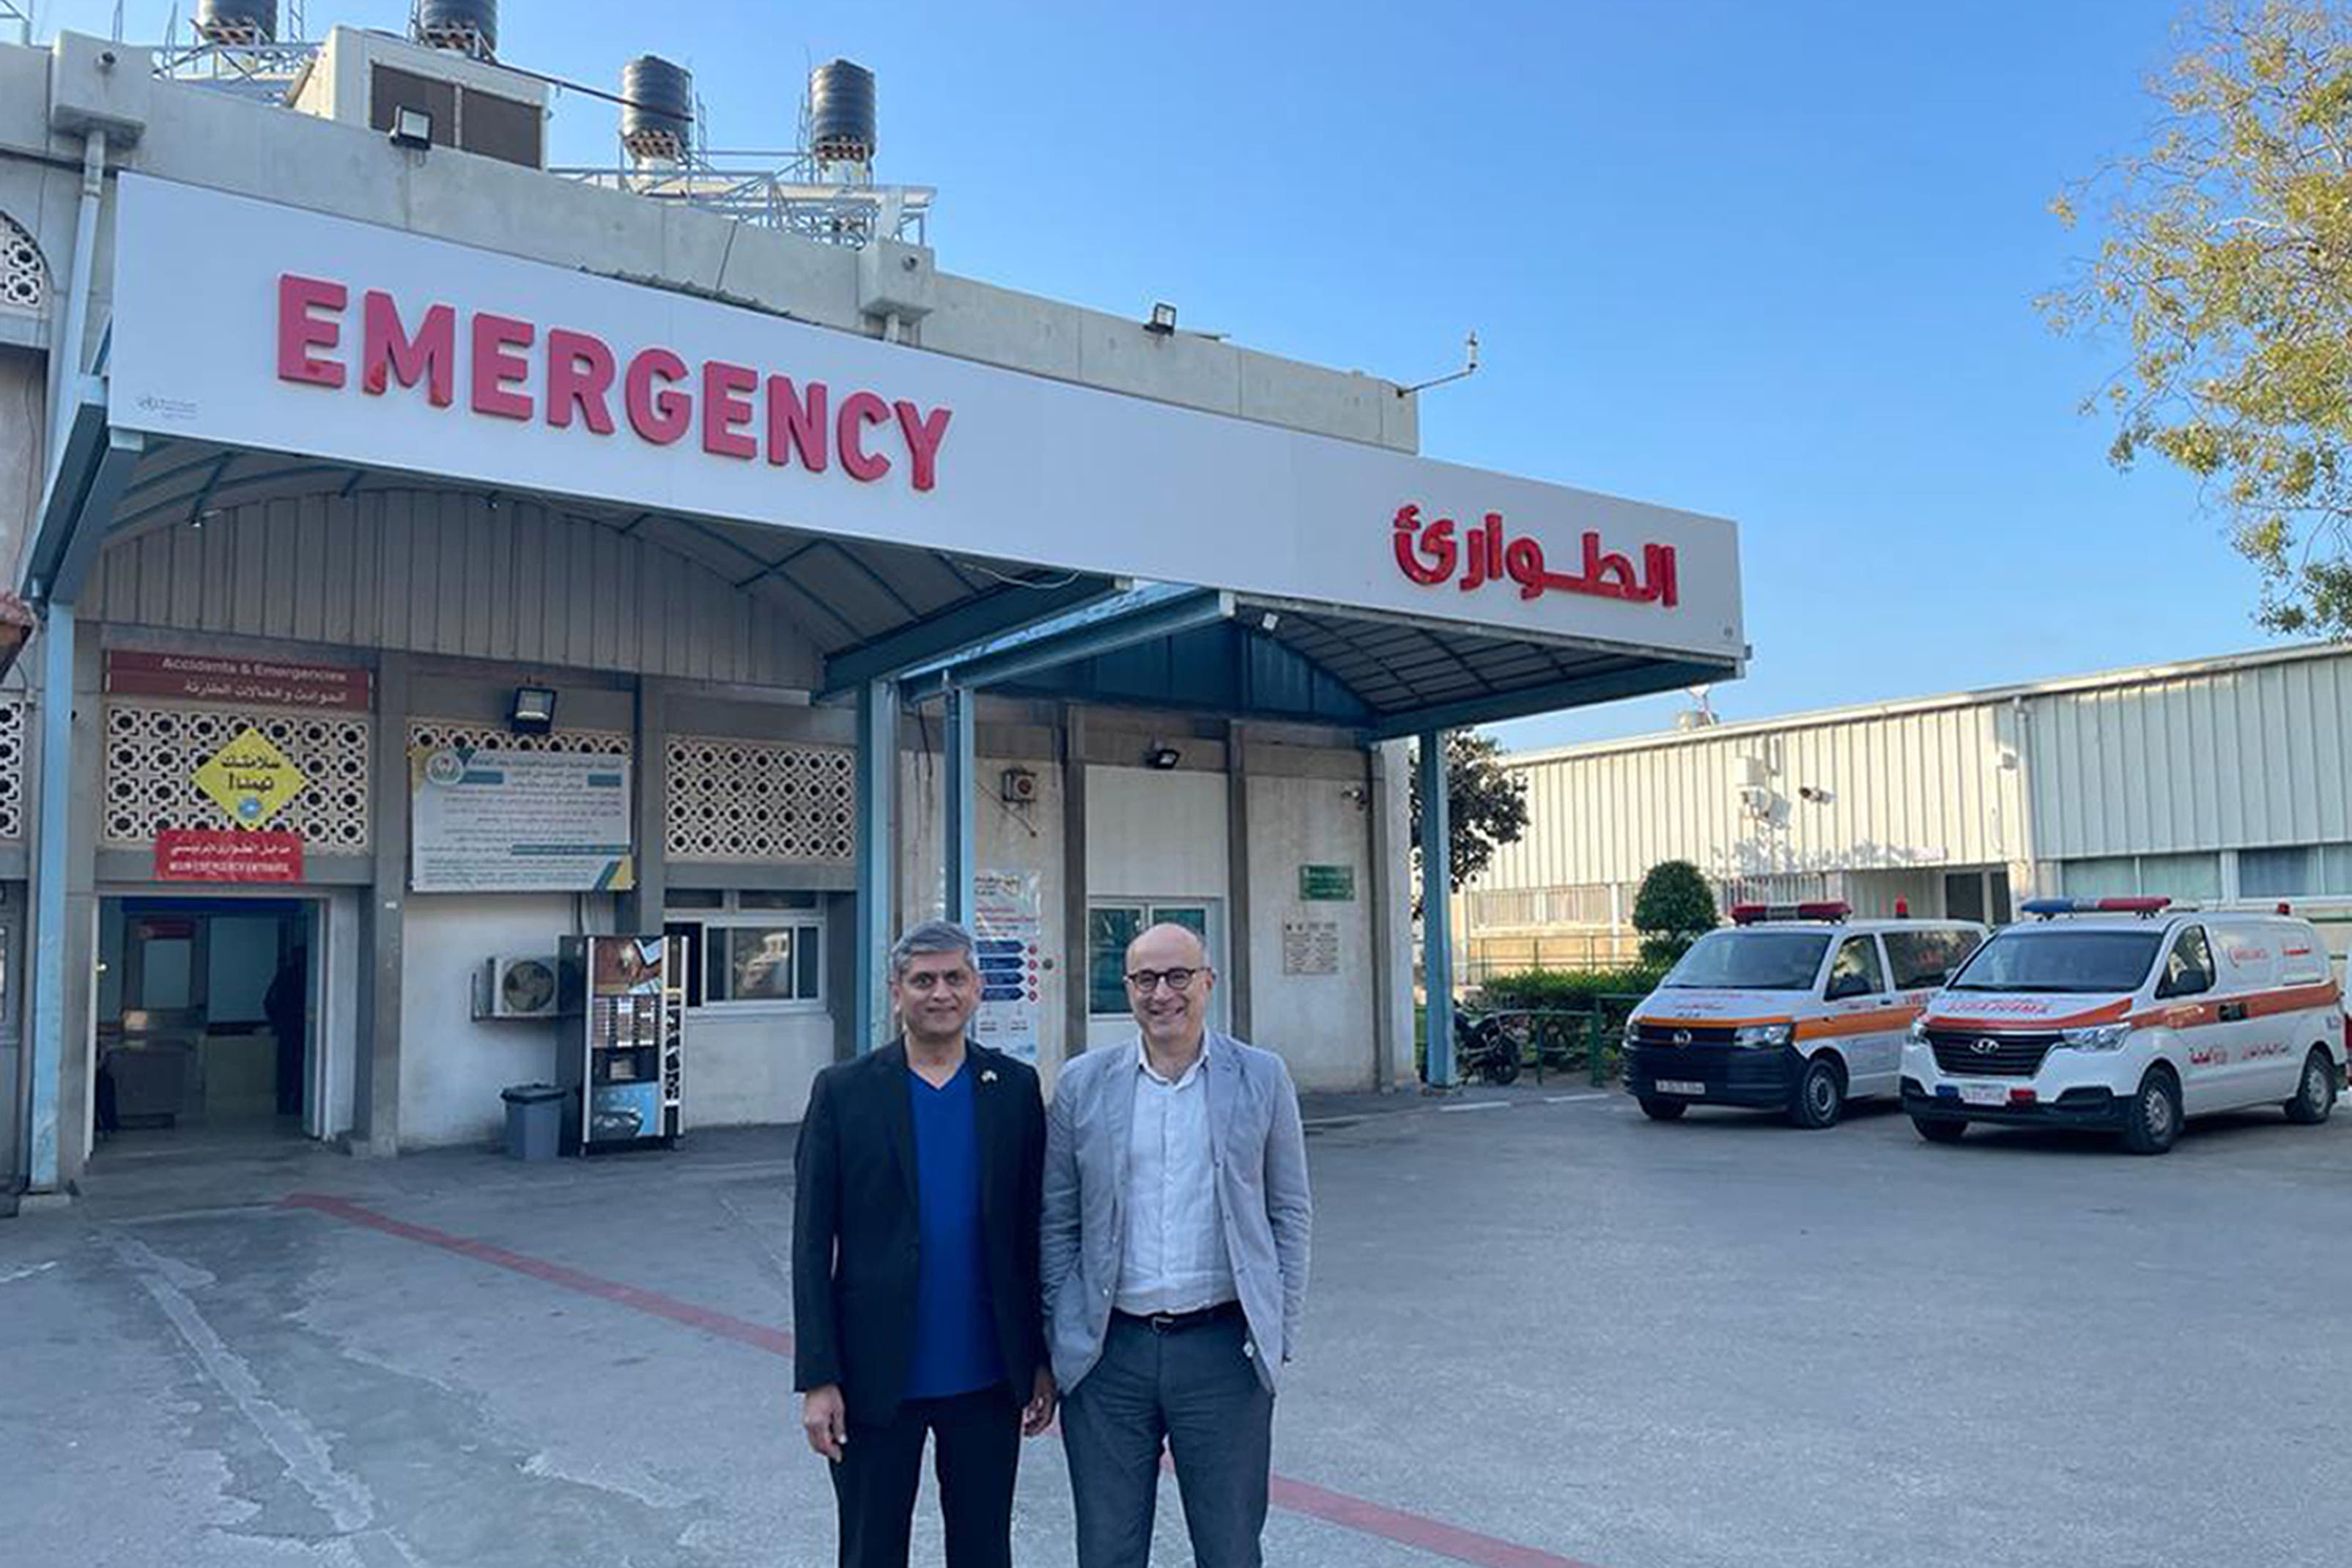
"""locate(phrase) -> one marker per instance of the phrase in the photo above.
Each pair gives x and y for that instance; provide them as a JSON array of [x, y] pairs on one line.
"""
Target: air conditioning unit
[[516, 988]]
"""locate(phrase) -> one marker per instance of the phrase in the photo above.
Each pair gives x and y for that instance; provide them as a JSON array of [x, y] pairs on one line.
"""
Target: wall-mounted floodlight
[[412, 128], [1163, 319], [533, 712], [1163, 757]]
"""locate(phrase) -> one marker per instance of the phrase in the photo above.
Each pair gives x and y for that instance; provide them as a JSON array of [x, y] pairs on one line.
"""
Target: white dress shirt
[[1174, 1260]]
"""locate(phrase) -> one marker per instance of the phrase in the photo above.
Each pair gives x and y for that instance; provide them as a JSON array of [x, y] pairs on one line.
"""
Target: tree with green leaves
[[1674, 908], [1487, 805], [2224, 262]]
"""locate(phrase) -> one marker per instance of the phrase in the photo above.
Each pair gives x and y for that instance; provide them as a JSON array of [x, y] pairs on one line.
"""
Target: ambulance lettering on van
[[2129, 1015]]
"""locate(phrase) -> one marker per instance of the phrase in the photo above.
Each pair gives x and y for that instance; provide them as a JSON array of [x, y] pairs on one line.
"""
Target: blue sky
[[1774, 262]]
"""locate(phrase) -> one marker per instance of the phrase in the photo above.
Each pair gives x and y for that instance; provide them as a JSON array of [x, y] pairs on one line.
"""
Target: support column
[[1436, 913], [1077, 980], [958, 827], [1390, 827], [641, 910], [878, 789], [384, 922], [1237, 879], [51, 842]]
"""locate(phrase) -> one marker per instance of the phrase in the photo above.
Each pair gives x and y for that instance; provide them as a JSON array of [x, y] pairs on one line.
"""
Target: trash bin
[[534, 1121]]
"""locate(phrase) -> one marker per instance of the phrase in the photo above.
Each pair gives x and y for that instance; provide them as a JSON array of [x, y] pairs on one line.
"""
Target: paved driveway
[[1542, 1334]]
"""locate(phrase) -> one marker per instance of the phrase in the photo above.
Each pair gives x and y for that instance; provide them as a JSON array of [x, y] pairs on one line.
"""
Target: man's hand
[[1039, 1413], [825, 1421]]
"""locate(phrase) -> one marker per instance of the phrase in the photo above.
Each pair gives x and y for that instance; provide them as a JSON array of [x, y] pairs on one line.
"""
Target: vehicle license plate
[[1984, 1094], [1680, 1086]]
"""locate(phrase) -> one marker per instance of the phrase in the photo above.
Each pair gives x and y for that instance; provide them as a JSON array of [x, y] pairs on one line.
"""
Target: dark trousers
[[976, 1449], [1195, 1389]]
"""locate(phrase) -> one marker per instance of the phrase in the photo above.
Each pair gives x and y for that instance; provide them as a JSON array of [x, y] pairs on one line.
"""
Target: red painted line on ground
[[1358, 1514]]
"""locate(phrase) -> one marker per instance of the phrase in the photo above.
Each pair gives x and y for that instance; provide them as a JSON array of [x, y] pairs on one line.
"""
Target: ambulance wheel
[[1940, 1129], [2316, 1098], [2154, 1120], [1820, 1099], [1664, 1109]]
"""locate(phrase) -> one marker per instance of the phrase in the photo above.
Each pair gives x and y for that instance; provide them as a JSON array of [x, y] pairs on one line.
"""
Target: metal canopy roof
[[1245, 656], [852, 598], [877, 611]]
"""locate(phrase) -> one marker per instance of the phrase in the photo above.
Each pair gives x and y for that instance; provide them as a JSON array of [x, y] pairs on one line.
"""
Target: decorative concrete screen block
[[750, 801], [23, 276], [491, 737], [12, 769], [154, 750]]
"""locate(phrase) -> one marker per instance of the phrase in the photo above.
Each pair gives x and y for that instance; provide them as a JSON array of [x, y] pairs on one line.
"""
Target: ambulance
[[2129, 1015], [1794, 1008]]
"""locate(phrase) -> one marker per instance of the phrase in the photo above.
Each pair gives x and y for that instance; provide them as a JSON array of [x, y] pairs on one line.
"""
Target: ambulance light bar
[[1755, 914], [2046, 908]]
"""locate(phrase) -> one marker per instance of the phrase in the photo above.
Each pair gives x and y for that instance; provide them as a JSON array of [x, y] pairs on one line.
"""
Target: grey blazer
[[1260, 1154]]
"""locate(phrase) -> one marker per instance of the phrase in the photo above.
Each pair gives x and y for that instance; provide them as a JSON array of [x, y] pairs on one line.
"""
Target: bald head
[[1171, 1004], [1167, 943]]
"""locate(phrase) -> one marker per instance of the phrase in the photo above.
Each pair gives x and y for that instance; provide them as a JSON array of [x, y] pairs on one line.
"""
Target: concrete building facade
[[256, 504]]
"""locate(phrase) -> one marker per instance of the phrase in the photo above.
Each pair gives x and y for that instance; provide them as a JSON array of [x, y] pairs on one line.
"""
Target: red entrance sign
[[1428, 553], [265, 683], [226, 854]]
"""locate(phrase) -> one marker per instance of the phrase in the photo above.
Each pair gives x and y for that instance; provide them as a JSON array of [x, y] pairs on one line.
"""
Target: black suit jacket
[[855, 1229]]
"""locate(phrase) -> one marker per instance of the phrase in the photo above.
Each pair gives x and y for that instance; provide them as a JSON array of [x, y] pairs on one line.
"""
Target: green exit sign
[[1327, 884]]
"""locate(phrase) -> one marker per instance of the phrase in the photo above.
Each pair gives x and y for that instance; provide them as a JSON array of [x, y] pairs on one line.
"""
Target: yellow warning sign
[[251, 779]]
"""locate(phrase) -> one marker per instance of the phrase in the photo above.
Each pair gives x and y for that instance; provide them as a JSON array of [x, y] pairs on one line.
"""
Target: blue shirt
[[955, 1321]]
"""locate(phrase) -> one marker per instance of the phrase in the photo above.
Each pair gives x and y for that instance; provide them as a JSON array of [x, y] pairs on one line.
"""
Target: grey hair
[[931, 936]]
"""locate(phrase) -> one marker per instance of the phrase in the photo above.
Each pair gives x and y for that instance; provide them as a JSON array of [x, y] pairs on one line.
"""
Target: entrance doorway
[[208, 1021]]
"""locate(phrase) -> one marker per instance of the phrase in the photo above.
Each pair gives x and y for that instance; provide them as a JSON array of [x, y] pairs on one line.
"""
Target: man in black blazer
[[916, 1304]]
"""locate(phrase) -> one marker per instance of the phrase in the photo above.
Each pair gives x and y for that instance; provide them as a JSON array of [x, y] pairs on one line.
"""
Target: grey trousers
[[1195, 1389]]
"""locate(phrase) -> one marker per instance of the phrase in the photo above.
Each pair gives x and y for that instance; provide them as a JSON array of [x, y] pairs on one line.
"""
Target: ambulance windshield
[[1751, 960], [2041, 958]]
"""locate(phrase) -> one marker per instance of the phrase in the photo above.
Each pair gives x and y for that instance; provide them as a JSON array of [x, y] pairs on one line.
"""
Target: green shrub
[[1674, 908], [1612, 991]]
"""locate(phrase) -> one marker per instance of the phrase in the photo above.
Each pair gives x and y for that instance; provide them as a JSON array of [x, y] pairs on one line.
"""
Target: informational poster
[[1310, 947], [1009, 926], [488, 821]]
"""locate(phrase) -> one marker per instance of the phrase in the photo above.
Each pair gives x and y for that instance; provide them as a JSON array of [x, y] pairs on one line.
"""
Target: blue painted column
[[957, 826], [877, 791], [1437, 909], [51, 839]]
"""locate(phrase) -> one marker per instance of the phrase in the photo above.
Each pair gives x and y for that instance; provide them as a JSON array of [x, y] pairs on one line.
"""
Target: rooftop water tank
[[469, 27], [656, 109], [841, 113], [237, 21]]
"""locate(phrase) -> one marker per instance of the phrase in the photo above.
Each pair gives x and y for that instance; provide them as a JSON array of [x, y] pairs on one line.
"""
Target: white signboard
[[374, 347], [1008, 924], [485, 821]]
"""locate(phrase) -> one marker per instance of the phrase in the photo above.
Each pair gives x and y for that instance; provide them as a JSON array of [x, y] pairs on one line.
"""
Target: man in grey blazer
[[1174, 1262]]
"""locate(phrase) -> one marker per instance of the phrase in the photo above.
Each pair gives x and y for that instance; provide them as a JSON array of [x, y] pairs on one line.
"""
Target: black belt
[[1177, 1322]]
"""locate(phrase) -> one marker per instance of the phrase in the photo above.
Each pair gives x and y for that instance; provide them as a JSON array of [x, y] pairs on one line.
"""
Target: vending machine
[[622, 1050]]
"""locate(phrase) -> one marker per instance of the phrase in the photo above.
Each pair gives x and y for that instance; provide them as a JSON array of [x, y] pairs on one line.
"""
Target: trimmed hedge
[[1572, 990]]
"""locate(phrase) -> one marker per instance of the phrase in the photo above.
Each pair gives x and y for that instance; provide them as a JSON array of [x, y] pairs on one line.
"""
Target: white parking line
[[1479, 1105], [1574, 1099]]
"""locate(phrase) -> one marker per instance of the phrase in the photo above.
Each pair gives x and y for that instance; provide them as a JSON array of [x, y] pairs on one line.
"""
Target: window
[[739, 955], [1928, 957], [1749, 958], [1110, 927], [2054, 959], [2180, 878], [1857, 970], [2188, 967], [2294, 871]]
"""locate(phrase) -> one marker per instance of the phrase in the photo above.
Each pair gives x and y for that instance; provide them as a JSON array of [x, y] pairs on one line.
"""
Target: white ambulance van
[[1792, 1008], [2129, 1015]]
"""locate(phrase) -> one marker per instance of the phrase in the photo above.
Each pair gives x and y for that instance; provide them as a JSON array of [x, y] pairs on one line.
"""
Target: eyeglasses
[[1149, 980]]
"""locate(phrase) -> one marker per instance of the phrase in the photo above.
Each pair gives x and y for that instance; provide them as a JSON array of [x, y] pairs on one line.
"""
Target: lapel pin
[[988, 1075]]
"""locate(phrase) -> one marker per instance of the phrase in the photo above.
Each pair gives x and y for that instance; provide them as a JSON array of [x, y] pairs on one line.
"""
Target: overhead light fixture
[[1163, 757], [412, 127], [533, 712], [1163, 319]]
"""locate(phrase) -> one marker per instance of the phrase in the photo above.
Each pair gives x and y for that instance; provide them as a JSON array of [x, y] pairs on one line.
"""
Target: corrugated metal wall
[[1874, 794], [450, 574], [2230, 760], [2239, 755]]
